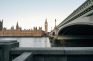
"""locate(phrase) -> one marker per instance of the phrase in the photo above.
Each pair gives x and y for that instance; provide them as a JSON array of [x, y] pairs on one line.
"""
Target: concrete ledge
[[78, 51], [5, 47], [26, 56], [57, 53], [7, 41], [38, 50], [56, 50]]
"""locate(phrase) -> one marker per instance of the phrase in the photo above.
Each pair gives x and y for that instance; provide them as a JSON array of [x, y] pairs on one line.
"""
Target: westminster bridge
[[76, 29]]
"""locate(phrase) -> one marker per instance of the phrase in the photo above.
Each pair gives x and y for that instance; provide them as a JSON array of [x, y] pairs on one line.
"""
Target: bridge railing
[[78, 12]]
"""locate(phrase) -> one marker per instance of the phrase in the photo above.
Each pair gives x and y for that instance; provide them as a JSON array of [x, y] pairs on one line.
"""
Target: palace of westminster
[[19, 32]]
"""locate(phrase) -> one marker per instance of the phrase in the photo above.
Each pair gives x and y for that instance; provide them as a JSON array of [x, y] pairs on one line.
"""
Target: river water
[[30, 41]]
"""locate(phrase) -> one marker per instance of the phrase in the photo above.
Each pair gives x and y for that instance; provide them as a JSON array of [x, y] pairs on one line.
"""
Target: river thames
[[30, 41]]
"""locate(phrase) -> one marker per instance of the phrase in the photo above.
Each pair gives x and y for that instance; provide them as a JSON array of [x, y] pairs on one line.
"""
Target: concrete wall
[[5, 47], [57, 54]]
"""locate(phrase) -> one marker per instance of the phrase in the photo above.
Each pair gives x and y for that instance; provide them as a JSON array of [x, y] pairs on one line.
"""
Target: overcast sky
[[30, 13]]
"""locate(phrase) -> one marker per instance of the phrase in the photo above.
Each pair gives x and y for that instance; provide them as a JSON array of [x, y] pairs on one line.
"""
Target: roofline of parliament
[[19, 32]]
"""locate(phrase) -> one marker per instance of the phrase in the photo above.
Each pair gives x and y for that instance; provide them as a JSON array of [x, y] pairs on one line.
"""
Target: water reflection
[[30, 41]]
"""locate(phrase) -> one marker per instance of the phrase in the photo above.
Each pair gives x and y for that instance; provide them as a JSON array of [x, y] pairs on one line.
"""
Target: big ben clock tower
[[46, 26]]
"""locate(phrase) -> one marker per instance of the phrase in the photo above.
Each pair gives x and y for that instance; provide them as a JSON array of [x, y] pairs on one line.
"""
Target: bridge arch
[[77, 29], [77, 35]]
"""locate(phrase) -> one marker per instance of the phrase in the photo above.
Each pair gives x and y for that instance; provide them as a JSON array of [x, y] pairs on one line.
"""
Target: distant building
[[55, 23], [12, 28], [46, 26], [1, 25], [19, 32]]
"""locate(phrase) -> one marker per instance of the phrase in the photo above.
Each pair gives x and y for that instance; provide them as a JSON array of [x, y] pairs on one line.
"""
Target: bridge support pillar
[[55, 42]]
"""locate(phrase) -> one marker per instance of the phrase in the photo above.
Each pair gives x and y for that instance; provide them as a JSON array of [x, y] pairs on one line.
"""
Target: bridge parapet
[[84, 8]]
